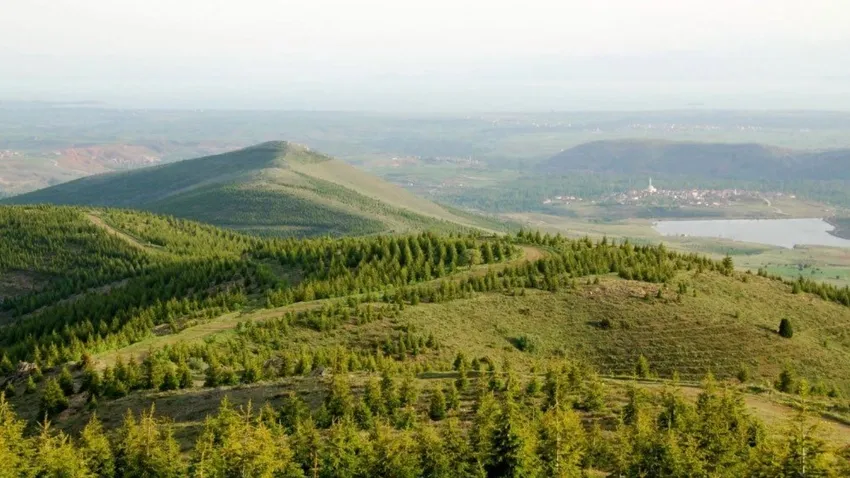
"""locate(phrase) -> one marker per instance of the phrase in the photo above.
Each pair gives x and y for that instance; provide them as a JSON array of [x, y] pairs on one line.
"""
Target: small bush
[[642, 367], [785, 329], [743, 374], [526, 343]]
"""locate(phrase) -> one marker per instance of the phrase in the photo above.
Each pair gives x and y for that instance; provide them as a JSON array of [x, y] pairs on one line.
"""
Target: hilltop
[[274, 188], [741, 161]]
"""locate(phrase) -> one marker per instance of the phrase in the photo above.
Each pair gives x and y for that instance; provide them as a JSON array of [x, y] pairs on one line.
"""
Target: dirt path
[[97, 221]]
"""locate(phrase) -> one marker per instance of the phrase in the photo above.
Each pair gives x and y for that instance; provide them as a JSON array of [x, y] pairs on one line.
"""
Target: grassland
[[277, 189]]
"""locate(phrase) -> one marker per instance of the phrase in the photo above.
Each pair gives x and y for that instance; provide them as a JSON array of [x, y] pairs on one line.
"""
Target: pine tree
[[452, 397], [513, 447], [170, 380], [15, 449], [6, 367], [435, 462], [55, 455], [785, 329], [340, 402], [484, 429], [53, 399], [642, 368], [91, 381], [234, 443], [437, 407], [344, 454], [31, 386], [562, 443], [147, 448], [394, 454], [66, 382], [184, 375], [787, 381], [96, 449]]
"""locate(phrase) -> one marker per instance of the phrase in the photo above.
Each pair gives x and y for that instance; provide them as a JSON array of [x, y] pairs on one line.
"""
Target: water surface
[[777, 232]]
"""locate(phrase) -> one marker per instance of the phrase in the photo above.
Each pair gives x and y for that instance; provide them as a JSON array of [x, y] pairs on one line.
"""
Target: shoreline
[[841, 226]]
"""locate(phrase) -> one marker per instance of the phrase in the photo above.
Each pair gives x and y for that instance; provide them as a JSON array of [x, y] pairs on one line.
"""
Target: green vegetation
[[276, 189], [412, 355], [785, 329]]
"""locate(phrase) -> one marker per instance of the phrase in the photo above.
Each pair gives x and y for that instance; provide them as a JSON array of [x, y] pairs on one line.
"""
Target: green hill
[[753, 162], [386, 354], [274, 188]]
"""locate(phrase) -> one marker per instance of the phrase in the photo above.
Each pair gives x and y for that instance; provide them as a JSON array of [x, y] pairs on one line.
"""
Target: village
[[710, 198]]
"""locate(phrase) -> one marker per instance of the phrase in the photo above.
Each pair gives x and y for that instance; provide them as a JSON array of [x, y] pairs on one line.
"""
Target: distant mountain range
[[274, 188], [746, 161]]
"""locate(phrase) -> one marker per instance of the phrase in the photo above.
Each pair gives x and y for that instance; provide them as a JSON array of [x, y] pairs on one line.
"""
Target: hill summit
[[273, 188]]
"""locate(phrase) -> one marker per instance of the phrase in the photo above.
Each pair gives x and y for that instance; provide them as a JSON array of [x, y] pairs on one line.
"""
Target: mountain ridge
[[274, 188], [715, 160]]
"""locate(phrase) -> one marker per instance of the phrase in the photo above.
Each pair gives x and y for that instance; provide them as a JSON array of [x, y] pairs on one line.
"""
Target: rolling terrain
[[274, 188], [364, 347], [713, 161]]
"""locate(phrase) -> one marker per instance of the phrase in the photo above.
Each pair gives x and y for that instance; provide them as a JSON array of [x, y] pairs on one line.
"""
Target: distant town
[[709, 198]]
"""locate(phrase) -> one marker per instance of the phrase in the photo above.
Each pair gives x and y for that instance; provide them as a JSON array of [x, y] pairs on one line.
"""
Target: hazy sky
[[428, 54]]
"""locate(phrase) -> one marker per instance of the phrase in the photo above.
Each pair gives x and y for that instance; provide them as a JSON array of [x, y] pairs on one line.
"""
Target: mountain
[[274, 188], [707, 160], [166, 344]]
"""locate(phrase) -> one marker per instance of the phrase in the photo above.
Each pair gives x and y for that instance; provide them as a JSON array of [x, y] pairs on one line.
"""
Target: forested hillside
[[275, 188], [184, 349]]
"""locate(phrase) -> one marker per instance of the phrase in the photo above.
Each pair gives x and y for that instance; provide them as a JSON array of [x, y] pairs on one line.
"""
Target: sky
[[428, 55]]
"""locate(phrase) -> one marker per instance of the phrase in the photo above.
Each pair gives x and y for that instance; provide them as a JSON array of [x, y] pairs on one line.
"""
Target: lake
[[777, 232]]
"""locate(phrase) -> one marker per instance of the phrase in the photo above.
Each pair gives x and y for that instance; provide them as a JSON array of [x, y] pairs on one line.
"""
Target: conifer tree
[[785, 329], [15, 449], [6, 367], [513, 447], [53, 399], [147, 448], [31, 386], [345, 453], [307, 445], [642, 367], [66, 382], [562, 443], [96, 449], [340, 402], [434, 460], [55, 455], [437, 407], [393, 454], [452, 397]]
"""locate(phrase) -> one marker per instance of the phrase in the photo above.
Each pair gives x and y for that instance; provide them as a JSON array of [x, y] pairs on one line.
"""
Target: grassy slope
[[272, 188], [730, 322], [691, 337]]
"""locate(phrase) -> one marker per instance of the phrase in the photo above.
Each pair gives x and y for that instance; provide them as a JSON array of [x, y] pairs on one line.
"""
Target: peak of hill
[[715, 160], [275, 188]]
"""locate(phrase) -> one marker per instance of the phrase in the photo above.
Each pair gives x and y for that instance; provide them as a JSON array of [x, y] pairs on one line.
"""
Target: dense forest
[[488, 421], [187, 281]]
